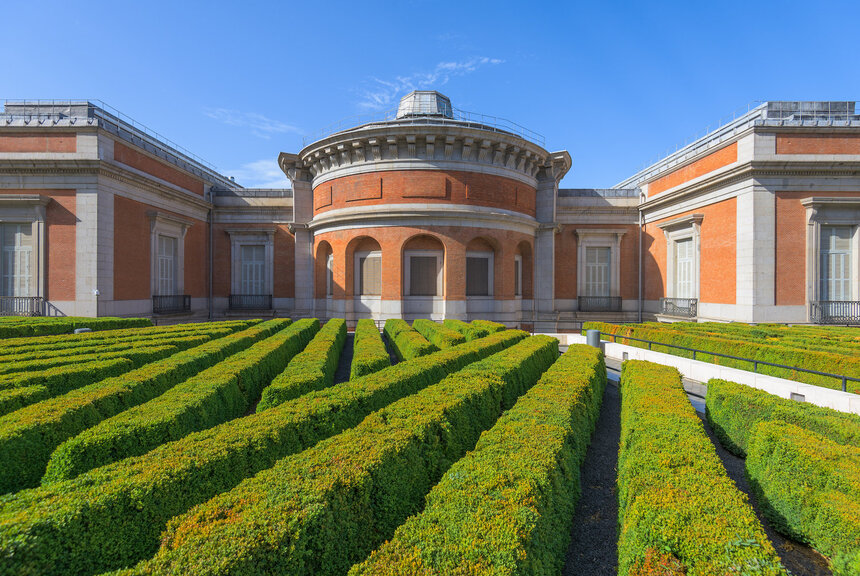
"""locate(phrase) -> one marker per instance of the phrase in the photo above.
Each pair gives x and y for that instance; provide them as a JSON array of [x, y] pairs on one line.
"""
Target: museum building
[[432, 212]]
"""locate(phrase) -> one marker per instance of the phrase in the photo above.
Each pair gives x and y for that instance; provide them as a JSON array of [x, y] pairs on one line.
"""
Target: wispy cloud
[[259, 124], [381, 94], [260, 174]]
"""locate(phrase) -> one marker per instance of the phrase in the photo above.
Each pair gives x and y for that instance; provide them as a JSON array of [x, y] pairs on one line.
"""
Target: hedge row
[[113, 516], [29, 436], [318, 511], [676, 503], [64, 325], [809, 488], [469, 331], [312, 369], [491, 327], [733, 410], [438, 335], [507, 507], [809, 359], [406, 341], [215, 395], [368, 350]]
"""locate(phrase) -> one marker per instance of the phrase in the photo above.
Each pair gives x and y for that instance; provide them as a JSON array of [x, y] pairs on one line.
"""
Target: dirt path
[[345, 363]]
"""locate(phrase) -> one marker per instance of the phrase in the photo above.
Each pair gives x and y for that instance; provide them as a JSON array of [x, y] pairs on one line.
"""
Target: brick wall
[[818, 144], [566, 261], [131, 157], [700, 167], [52, 142]]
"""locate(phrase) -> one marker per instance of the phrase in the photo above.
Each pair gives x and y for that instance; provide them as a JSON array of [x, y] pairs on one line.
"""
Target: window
[[329, 275], [518, 275], [479, 272], [597, 271], [253, 269], [423, 275], [166, 265], [835, 262], [684, 263], [368, 273], [16, 243]]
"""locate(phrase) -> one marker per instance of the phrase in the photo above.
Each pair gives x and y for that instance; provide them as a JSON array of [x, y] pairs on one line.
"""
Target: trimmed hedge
[[469, 331], [64, 325], [368, 350], [507, 507], [733, 410], [318, 511], [29, 436], [406, 341], [113, 516], [311, 369], [491, 327], [848, 365], [437, 334], [215, 395], [809, 488], [675, 499]]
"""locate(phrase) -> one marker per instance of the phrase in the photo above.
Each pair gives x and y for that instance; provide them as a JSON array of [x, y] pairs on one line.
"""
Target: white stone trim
[[519, 280], [251, 236], [825, 211], [161, 224], [21, 209], [599, 238], [688, 227]]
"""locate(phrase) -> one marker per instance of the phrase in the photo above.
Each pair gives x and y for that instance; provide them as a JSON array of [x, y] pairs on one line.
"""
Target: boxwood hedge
[[675, 499], [406, 341], [312, 369], [112, 516], [368, 350], [63, 325], [809, 488], [469, 331], [507, 507], [29, 436], [224, 391], [491, 327], [438, 335], [318, 511]]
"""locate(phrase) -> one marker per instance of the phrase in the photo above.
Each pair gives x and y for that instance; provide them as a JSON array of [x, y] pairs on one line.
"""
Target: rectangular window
[[329, 275], [518, 276], [597, 271], [423, 275], [477, 276], [167, 265], [252, 258], [370, 275], [684, 268], [16, 245], [836, 262]]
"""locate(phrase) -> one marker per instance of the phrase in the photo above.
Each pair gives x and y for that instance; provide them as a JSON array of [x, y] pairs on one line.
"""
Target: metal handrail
[[755, 362]]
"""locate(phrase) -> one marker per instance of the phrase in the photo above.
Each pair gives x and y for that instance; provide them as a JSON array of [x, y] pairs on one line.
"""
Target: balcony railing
[[22, 306], [679, 307], [599, 303], [171, 304], [835, 312], [250, 301]]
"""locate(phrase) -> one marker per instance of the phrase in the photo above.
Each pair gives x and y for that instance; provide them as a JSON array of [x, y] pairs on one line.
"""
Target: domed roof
[[425, 103]]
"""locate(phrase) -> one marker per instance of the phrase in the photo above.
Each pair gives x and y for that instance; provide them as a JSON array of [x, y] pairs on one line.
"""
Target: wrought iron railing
[[171, 304], [250, 301], [680, 307], [22, 306], [835, 312], [599, 303]]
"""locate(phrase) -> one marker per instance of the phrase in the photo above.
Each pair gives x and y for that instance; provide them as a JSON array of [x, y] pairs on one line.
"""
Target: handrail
[[755, 362]]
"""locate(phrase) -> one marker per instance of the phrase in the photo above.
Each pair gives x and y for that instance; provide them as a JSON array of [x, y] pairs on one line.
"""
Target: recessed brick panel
[[817, 144], [700, 167], [140, 161], [55, 142], [355, 191]]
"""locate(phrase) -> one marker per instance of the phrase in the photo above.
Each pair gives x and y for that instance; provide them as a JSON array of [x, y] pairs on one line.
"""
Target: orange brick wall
[[60, 244], [700, 167], [424, 186], [718, 256], [56, 142], [817, 144], [131, 157], [453, 240], [566, 261], [284, 260]]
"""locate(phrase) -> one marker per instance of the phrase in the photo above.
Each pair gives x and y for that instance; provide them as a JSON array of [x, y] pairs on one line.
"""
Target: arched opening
[[323, 272], [364, 276], [423, 276], [523, 271], [480, 268]]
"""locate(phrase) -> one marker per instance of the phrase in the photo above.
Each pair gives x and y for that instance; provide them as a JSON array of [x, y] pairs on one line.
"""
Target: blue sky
[[616, 84]]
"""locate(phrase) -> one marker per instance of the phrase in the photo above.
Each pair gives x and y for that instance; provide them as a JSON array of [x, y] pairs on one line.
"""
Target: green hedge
[[215, 395], [438, 335], [675, 499], [810, 359], [113, 516], [318, 511], [312, 369], [368, 350], [507, 507], [29, 436], [64, 325], [733, 410], [406, 342], [809, 489], [491, 327], [469, 331]]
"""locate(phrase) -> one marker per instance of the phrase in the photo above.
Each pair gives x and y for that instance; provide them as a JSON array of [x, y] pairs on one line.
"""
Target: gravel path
[[345, 363], [592, 550], [391, 355]]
